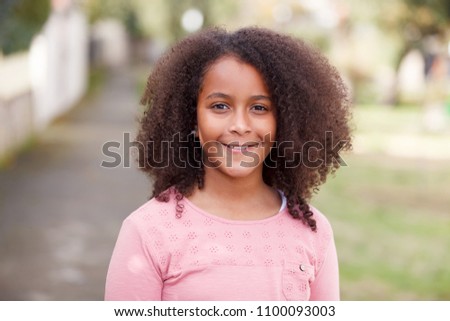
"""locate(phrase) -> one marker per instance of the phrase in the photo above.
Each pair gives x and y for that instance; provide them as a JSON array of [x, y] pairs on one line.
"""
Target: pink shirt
[[203, 257]]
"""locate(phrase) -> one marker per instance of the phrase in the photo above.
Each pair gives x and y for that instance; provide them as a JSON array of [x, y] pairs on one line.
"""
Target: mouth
[[240, 148]]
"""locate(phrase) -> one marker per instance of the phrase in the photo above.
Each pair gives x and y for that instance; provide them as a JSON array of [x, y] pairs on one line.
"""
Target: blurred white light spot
[[434, 118], [192, 20], [314, 5], [282, 13], [326, 18]]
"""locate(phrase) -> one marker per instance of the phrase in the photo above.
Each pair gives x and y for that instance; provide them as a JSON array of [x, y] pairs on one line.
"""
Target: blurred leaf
[[20, 20]]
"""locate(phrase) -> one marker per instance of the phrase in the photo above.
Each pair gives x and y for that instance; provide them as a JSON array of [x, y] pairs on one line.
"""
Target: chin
[[238, 171]]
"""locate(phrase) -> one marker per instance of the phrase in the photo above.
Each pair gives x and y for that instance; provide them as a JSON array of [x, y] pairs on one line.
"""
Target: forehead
[[230, 75]]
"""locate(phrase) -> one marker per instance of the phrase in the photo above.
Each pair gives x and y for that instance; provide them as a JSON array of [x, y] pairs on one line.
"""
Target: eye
[[259, 108], [219, 107]]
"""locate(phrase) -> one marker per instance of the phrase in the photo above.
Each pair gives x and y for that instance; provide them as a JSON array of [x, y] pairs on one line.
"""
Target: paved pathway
[[60, 211]]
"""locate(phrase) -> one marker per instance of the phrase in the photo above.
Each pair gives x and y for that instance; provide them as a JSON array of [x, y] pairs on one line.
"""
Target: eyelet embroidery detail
[[296, 279]]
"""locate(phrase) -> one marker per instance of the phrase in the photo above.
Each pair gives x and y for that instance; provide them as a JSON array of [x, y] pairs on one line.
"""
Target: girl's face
[[235, 118]]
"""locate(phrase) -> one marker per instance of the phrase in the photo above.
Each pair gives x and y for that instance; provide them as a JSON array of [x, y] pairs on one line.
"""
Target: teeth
[[240, 147], [236, 147]]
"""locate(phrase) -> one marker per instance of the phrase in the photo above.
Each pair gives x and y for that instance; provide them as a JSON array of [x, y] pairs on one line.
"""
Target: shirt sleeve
[[132, 274], [325, 287]]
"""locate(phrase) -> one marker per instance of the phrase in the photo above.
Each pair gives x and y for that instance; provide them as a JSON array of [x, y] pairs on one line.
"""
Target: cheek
[[207, 130], [268, 130]]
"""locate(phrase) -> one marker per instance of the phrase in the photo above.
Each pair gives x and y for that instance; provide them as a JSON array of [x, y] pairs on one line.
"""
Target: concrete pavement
[[60, 211]]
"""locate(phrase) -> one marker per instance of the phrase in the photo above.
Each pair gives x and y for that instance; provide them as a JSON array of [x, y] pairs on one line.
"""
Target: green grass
[[391, 219]]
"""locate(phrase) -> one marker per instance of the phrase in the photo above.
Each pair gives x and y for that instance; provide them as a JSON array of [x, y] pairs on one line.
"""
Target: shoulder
[[322, 222], [154, 210], [323, 225], [316, 242], [324, 238], [147, 225]]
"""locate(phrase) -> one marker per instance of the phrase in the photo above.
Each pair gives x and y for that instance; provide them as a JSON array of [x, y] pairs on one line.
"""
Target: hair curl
[[312, 107]]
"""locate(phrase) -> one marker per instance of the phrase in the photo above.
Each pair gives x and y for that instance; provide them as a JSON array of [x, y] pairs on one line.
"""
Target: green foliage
[[438, 9], [122, 10], [20, 20], [161, 19], [99, 9]]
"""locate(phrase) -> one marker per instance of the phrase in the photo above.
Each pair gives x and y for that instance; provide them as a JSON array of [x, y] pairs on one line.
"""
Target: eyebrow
[[225, 96]]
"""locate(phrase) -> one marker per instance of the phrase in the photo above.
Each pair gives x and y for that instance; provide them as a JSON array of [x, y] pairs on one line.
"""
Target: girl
[[240, 129]]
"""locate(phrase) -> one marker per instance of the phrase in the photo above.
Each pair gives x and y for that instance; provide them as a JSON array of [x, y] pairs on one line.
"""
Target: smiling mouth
[[237, 147]]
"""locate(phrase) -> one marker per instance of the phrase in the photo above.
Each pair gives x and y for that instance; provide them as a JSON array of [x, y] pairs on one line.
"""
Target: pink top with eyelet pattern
[[202, 257]]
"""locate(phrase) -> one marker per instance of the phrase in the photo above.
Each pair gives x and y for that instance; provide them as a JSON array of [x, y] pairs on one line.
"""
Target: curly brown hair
[[312, 111]]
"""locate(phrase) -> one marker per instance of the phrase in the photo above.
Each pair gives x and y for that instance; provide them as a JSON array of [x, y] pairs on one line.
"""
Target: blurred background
[[71, 75]]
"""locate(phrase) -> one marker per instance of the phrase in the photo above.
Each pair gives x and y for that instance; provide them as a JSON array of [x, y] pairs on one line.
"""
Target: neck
[[233, 188], [242, 198]]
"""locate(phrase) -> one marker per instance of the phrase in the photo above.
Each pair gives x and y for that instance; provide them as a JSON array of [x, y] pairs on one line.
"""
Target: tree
[[416, 21], [20, 20]]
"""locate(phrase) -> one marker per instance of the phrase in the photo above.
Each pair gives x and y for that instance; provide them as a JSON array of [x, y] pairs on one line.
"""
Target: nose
[[240, 122]]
